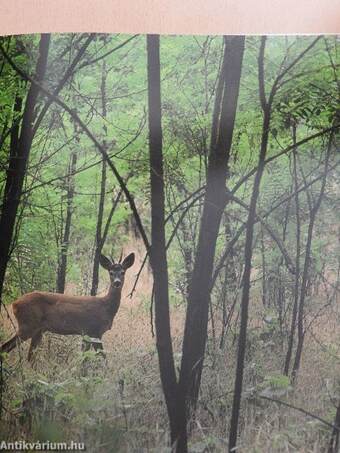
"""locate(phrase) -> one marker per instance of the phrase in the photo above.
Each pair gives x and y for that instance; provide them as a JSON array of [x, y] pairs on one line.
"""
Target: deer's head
[[117, 270]]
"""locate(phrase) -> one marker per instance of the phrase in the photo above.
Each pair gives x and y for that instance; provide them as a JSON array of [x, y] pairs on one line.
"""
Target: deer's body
[[40, 312], [65, 315]]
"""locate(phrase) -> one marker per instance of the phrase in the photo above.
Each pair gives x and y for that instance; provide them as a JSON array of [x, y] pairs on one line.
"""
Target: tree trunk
[[334, 440], [297, 263], [264, 273], [229, 286], [195, 333], [248, 253], [62, 268], [158, 257], [305, 274], [19, 155], [99, 241]]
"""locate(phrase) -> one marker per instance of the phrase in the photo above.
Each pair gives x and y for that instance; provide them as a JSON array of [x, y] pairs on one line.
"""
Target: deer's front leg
[[98, 347], [36, 339], [95, 342]]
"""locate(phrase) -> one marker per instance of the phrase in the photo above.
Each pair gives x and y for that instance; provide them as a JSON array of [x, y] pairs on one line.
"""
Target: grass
[[118, 405]]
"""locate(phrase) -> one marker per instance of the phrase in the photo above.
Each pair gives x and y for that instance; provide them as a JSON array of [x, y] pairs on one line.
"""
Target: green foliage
[[189, 72], [278, 381], [306, 99]]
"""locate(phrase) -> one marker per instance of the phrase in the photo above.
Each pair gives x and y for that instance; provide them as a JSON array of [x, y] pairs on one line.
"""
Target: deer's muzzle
[[117, 283]]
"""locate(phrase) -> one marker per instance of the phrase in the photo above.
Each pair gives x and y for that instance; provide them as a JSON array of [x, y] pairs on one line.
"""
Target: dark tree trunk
[[157, 250], [195, 333], [19, 154], [306, 267], [301, 305], [229, 287], [297, 263], [62, 268], [334, 443], [187, 246], [18, 161], [99, 240], [248, 253], [264, 273]]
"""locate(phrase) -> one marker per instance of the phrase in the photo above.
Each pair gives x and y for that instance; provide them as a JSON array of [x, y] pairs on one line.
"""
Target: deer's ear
[[105, 262], [128, 261]]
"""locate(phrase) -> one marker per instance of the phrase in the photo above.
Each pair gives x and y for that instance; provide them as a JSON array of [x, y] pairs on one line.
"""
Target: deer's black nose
[[117, 283]]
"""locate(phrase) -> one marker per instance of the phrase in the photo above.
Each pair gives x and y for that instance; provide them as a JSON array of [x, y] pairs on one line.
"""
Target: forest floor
[[117, 404]]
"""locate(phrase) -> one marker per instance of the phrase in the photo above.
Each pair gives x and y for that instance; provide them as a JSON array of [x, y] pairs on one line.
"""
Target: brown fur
[[67, 315], [40, 312]]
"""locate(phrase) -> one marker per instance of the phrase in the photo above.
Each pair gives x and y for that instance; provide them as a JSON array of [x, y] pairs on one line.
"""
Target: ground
[[117, 404]]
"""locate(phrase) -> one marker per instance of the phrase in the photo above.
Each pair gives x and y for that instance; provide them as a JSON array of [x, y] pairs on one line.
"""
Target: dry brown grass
[[119, 405]]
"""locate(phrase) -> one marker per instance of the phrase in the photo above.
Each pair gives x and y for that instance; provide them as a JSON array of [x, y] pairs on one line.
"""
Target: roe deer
[[40, 312]]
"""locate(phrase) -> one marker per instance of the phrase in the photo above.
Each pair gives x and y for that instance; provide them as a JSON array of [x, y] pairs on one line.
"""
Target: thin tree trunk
[[301, 305], [18, 163], [306, 267], [334, 440], [19, 156], [229, 286], [297, 262], [109, 217], [264, 274], [195, 333], [158, 257], [248, 252], [62, 268], [99, 241]]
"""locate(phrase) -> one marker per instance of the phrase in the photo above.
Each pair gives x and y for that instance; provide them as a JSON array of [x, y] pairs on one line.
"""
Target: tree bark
[[306, 266], [19, 155], [62, 267], [264, 272], [248, 253], [99, 241], [195, 333], [158, 257], [16, 170], [334, 443], [297, 262]]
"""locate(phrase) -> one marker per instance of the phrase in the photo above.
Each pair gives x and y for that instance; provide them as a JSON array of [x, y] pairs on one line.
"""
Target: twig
[[300, 409]]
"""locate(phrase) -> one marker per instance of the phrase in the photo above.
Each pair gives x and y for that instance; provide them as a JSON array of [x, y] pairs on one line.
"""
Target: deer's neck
[[113, 299]]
